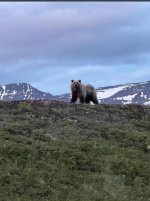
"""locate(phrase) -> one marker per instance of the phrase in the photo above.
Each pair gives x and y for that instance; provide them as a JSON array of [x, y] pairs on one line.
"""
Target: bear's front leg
[[74, 97], [81, 99]]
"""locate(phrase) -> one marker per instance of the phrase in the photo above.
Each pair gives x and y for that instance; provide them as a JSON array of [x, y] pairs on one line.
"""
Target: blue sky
[[47, 44]]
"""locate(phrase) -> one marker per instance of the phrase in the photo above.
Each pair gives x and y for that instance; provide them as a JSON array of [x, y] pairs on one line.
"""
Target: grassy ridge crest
[[58, 151]]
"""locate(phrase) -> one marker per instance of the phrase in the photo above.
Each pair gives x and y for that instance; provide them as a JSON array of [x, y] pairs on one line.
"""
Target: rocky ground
[[59, 151]]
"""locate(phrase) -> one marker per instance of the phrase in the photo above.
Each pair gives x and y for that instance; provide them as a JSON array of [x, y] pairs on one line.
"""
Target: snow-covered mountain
[[133, 93], [22, 91]]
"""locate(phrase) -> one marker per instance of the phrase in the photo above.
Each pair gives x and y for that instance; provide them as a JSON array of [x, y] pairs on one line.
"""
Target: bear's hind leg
[[94, 100], [87, 100]]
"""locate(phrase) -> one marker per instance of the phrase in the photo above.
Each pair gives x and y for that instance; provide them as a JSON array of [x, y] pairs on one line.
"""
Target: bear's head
[[75, 86]]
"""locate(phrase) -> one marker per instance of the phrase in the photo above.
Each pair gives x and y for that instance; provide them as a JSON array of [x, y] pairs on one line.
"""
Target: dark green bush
[[24, 107]]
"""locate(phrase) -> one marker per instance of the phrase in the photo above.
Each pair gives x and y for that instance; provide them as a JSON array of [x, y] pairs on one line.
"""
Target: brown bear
[[85, 93]]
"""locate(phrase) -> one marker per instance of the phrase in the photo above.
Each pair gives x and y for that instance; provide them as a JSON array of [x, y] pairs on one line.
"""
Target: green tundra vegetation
[[54, 151]]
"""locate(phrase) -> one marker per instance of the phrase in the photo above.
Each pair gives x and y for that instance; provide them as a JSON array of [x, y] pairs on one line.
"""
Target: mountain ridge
[[22, 91], [130, 93]]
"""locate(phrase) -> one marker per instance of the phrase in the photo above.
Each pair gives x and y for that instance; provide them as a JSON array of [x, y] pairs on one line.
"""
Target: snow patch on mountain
[[3, 93], [106, 93], [127, 98], [142, 95], [147, 103]]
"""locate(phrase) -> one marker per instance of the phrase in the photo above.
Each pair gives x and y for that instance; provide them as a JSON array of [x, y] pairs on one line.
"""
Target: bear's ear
[[79, 81], [72, 80]]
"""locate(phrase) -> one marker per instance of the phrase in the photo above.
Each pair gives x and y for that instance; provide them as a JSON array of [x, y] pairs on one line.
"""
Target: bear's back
[[90, 89]]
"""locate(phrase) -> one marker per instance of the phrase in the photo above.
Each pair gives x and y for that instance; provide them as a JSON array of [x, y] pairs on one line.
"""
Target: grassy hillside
[[65, 152]]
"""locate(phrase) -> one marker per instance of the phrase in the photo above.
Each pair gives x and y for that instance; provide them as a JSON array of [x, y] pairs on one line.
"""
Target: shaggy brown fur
[[85, 93]]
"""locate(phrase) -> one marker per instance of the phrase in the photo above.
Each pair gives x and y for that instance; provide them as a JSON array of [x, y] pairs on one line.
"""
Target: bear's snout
[[76, 86]]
